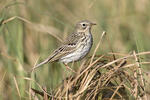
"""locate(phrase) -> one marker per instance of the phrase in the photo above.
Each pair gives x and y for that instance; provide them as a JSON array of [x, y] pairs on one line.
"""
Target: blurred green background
[[42, 24]]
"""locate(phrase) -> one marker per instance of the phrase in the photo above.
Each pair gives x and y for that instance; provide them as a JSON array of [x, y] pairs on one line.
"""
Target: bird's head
[[84, 26]]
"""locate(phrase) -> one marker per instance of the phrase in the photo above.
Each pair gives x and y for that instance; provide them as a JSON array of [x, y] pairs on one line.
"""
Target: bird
[[76, 46]]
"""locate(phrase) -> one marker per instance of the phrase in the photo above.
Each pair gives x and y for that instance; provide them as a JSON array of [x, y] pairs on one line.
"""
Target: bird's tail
[[38, 65], [45, 61]]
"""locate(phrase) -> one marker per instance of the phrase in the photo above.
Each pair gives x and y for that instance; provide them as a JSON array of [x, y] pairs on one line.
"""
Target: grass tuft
[[104, 78]]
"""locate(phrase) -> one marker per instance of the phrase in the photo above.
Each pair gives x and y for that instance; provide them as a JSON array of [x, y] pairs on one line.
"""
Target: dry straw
[[103, 77]]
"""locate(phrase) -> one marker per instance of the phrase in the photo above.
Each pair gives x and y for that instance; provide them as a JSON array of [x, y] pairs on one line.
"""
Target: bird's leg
[[69, 67]]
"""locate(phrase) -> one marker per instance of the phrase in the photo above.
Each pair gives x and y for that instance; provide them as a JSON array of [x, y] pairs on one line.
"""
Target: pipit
[[75, 47]]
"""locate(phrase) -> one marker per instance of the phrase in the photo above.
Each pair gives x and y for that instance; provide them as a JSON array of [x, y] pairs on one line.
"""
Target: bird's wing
[[62, 51], [58, 53], [68, 46]]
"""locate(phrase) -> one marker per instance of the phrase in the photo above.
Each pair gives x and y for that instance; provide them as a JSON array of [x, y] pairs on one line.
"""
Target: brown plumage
[[76, 46]]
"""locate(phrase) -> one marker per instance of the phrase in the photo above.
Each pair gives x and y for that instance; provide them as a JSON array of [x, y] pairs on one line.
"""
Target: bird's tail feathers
[[45, 61], [38, 65]]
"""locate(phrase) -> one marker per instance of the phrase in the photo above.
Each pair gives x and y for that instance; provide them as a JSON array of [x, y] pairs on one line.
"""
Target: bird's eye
[[83, 24]]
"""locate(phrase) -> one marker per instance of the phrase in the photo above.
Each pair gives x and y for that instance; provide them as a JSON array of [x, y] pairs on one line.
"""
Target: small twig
[[34, 67], [16, 17], [119, 59], [34, 26], [17, 87], [33, 92], [116, 90], [45, 94], [69, 68], [104, 33], [2, 78], [140, 74]]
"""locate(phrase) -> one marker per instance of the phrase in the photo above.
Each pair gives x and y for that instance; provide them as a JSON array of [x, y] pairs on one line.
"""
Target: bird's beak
[[93, 23]]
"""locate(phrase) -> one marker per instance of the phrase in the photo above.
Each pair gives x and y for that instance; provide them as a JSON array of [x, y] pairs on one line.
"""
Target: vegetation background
[[31, 29]]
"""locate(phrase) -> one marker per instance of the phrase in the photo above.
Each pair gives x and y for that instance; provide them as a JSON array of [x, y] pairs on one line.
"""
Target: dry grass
[[104, 78], [110, 76]]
